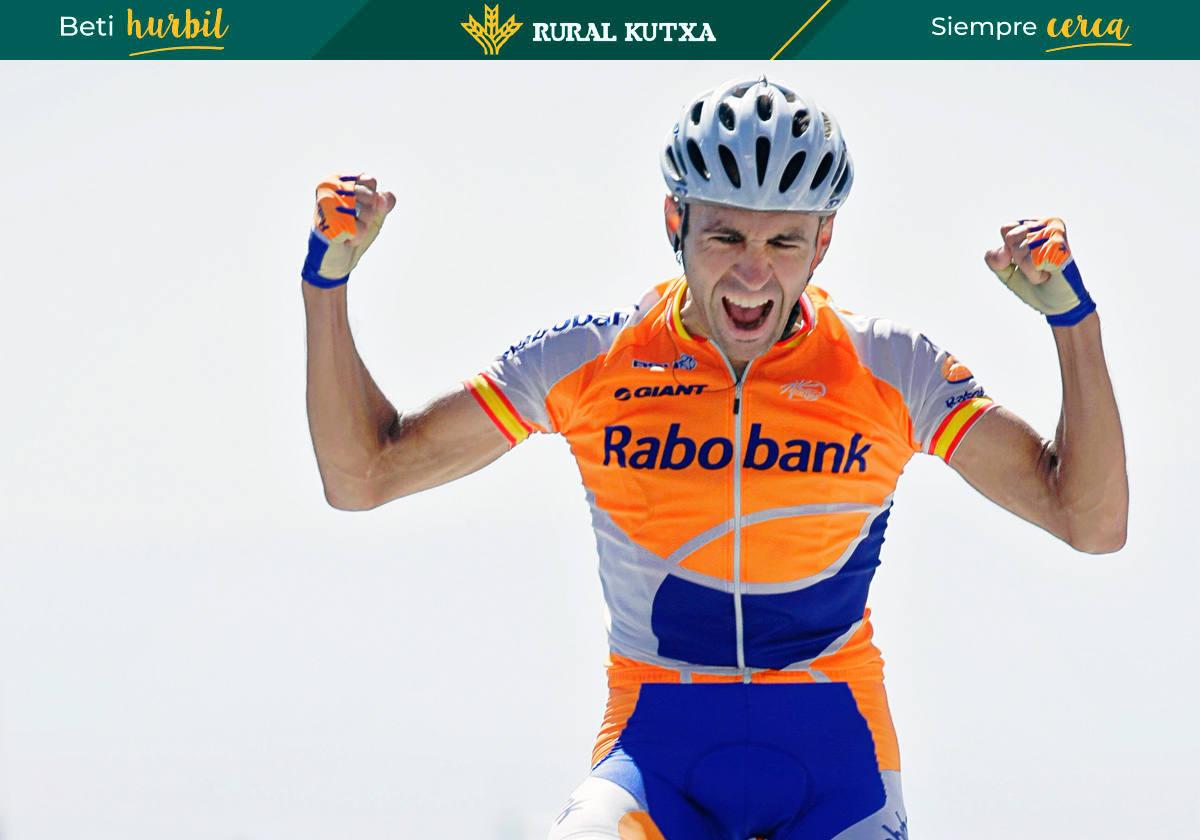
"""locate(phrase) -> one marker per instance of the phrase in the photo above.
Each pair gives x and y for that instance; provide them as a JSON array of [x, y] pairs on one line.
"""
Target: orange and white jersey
[[738, 523]]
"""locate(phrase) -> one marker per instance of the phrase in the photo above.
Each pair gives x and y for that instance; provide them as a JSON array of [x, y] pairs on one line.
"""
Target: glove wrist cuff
[[314, 279], [311, 270], [1074, 316]]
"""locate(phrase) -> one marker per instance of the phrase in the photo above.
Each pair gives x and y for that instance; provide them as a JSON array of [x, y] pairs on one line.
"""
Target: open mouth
[[746, 315]]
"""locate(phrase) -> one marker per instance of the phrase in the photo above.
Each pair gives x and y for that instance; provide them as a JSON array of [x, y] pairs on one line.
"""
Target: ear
[[824, 237], [673, 216]]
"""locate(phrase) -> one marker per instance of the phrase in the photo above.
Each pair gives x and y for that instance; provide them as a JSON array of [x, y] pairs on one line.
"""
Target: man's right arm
[[367, 452]]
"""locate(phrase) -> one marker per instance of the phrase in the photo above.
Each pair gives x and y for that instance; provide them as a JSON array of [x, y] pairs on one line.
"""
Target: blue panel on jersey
[[737, 760], [694, 623], [796, 626]]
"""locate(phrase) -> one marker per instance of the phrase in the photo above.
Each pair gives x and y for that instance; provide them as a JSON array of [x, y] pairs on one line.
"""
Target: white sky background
[[193, 645]]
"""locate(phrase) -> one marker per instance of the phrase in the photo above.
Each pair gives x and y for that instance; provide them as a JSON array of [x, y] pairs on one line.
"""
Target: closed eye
[[786, 243]]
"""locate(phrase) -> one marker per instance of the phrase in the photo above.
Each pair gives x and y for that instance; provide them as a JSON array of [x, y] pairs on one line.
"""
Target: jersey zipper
[[738, 623]]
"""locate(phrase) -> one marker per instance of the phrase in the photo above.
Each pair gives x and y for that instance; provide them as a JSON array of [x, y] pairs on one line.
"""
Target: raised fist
[[1035, 262], [348, 216]]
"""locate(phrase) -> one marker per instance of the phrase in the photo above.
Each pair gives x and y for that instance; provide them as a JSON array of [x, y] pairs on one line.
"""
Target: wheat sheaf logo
[[491, 35]]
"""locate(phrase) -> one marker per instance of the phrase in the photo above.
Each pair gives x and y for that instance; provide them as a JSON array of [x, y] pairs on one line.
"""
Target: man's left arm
[[1074, 486]]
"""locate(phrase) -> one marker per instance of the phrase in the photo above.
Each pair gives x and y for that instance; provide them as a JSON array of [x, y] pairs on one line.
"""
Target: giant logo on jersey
[[659, 391], [677, 451]]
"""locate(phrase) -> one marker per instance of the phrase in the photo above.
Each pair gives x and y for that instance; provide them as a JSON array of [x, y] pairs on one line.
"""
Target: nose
[[753, 269]]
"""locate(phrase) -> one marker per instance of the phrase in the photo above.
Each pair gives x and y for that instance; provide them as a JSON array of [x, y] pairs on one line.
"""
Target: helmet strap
[[675, 212], [824, 235], [791, 321]]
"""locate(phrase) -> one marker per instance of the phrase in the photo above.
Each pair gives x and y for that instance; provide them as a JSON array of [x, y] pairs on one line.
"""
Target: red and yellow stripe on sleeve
[[955, 425], [493, 402]]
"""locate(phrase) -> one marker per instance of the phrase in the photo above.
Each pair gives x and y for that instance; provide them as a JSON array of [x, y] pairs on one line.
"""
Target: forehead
[[753, 223]]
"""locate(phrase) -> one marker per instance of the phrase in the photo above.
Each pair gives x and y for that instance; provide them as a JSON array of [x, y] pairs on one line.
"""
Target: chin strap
[[677, 226], [791, 321]]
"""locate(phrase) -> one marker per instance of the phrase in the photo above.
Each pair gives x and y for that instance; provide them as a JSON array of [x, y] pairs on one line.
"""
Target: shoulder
[[903, 357], [940, 393], [583, 330], [592, 331], [874, 337], [557, 349]]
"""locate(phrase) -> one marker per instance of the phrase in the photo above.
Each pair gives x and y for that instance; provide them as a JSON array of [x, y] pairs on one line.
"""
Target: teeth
[[746, 301]]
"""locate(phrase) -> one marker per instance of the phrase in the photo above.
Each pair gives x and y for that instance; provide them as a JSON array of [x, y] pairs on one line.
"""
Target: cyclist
[[739, 437]]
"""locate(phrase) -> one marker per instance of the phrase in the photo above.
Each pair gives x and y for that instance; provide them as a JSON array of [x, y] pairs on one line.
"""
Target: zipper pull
[[737, 404]]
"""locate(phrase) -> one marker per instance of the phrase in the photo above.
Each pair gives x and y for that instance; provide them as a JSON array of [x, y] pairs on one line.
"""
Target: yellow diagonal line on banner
[[798, 31]]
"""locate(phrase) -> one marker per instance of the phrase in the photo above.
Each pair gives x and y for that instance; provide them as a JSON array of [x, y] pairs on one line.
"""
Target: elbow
[[346, 501], [1097, 524], [1105, 538], [361, 492], [354, 484], [352, 494], [358, 494], [369, 481], [1099, 544]]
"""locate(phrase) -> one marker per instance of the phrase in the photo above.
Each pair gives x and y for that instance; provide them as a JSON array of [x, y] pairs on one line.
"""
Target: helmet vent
[[762, 154], [725, 115], [696, 111], [800, 123], [729, 162], [675, 173], [792, 170], [822, 170], [740, 90], [841, 182], [765, 106], [697, 159]]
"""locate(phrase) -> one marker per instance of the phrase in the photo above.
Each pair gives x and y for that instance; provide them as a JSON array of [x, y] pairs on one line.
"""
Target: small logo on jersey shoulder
[[684, 362], [962, 398], [804, 389], [954, 371], [658, 391]]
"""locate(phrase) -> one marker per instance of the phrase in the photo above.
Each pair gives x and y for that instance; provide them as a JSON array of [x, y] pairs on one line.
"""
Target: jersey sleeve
[[945, 399], [534, 386], [942, 398]]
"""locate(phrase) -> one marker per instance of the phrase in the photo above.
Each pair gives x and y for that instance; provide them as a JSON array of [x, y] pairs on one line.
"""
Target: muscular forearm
[[348, 416], [1088, 457]]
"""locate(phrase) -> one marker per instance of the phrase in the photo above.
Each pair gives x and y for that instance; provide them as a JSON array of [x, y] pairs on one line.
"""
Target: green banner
[[539, 29]]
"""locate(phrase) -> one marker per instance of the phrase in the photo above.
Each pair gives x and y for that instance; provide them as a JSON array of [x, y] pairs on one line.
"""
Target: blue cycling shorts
[[732, 761]]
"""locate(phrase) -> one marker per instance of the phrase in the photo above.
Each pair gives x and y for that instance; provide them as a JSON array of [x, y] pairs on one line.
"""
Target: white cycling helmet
[[757, 145]]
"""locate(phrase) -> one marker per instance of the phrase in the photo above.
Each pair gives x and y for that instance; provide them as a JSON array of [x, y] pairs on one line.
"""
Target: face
[[745, 271]]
